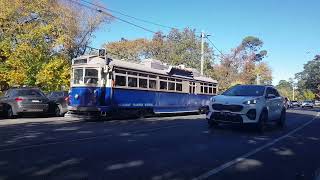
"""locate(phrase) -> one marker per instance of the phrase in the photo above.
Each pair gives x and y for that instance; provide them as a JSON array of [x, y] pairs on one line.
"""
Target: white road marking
[[244, 156]]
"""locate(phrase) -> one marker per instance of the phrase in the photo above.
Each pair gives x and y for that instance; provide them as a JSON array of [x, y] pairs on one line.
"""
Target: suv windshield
[[245, 90]]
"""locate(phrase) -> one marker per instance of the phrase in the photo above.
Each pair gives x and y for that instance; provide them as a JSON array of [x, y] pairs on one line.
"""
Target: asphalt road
[[180, 147]]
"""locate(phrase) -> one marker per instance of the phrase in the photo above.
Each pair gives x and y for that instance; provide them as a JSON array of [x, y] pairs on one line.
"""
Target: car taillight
[[18, 99], [67, 99]]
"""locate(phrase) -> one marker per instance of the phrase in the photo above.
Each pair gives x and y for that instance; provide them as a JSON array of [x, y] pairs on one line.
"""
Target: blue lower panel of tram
[[107, 99]]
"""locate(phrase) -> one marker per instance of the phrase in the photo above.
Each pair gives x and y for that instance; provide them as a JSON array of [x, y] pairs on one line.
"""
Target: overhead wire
[[129, 16], [108, 14], [128, 22], [215, 46]]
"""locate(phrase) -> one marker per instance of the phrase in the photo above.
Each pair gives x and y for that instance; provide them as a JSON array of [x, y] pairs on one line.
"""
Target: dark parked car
[[20, 101], [58, 102], [1, 109]]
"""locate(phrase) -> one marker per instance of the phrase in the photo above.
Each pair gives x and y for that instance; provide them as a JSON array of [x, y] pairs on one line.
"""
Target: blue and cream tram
[[100, 86]]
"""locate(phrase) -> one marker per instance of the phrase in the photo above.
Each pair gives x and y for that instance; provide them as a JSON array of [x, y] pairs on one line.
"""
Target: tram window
[[152, 76], [172, 79], [152, 84], [132, 82], [132, 73], [120, 71], [80, 61], [205, 89], [144, 75], [164, 78], [143, 83], [163, 85], [194, 89], [178, 80], [78, 76], [201, 89], [190, 89], [178, 87], [91, 76], [214, 90], [210, 90], [120, 81], [171, 86]]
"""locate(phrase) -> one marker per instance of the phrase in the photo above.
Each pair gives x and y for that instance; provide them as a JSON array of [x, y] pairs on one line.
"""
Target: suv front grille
[[232, 118], [222, 107]]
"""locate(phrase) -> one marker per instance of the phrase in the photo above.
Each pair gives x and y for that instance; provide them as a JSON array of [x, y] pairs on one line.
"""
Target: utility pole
[[258, 79], [202, 51], [292, 92]]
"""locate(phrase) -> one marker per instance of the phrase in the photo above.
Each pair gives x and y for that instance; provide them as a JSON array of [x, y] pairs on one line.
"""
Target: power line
[[123, 14], [120, 19], [215, 46]]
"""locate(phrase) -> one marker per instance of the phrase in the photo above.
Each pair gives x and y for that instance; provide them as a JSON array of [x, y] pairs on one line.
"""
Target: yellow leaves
[[54, 74]]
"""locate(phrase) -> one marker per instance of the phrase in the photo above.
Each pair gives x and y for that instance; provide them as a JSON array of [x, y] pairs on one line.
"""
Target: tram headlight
[[76, 96], [212, 99]]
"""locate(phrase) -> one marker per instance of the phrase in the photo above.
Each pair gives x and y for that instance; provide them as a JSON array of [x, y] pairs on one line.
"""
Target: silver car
[[307, 104], [24, 100]]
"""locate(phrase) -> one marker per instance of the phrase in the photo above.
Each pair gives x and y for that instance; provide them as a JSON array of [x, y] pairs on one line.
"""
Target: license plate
[[35, 110], [35, 101]]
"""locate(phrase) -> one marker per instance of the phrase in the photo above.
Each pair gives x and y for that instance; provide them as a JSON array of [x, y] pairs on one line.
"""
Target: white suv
[[247, 104]]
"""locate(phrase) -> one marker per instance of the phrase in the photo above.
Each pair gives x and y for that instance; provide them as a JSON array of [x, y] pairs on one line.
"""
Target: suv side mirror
[[270, 96]]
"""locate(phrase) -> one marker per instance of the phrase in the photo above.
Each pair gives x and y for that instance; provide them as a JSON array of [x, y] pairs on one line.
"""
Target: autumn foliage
[[38, 38]]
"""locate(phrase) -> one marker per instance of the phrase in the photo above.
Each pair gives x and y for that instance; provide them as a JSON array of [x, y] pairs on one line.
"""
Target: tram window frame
[[132, 73], [119, 85], [179, 87], [205, 89], [163, 87], [80, 80], [163, 78], [171, 86], [120, 71], [129, 82], [91, 78], [143, 75], [214, 90], [145, 84], [154, 81], [192, 87], [80, 61]]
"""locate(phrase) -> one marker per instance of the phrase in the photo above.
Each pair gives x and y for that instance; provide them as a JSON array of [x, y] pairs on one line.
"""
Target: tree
[[34, 33], [54, 74], [128, 50], [309, 78], [285, 88], [243, 65], [177, 47]]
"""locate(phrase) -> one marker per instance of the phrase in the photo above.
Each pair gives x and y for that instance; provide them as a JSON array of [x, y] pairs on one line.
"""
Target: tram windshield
[[85, 76]]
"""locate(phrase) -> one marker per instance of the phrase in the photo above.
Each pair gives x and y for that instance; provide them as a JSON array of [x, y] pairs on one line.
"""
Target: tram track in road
[[6, 148], [116, 123]]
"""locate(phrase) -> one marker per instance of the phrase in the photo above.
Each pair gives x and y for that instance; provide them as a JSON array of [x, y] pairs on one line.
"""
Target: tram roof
[[152, 66]]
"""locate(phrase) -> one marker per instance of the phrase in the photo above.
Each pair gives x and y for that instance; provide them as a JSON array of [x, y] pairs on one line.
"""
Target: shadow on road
[[38, 149]]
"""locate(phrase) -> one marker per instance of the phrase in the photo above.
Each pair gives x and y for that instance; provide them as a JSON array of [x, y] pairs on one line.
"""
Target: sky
[[290, 29]]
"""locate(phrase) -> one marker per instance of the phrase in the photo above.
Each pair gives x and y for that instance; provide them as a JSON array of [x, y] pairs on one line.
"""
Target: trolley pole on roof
[[202, 51]]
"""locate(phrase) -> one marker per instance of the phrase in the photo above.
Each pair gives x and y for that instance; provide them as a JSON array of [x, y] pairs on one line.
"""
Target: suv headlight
[[252, 101]]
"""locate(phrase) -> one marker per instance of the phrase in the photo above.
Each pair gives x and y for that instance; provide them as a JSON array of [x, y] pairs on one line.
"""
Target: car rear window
[[28, 92]]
